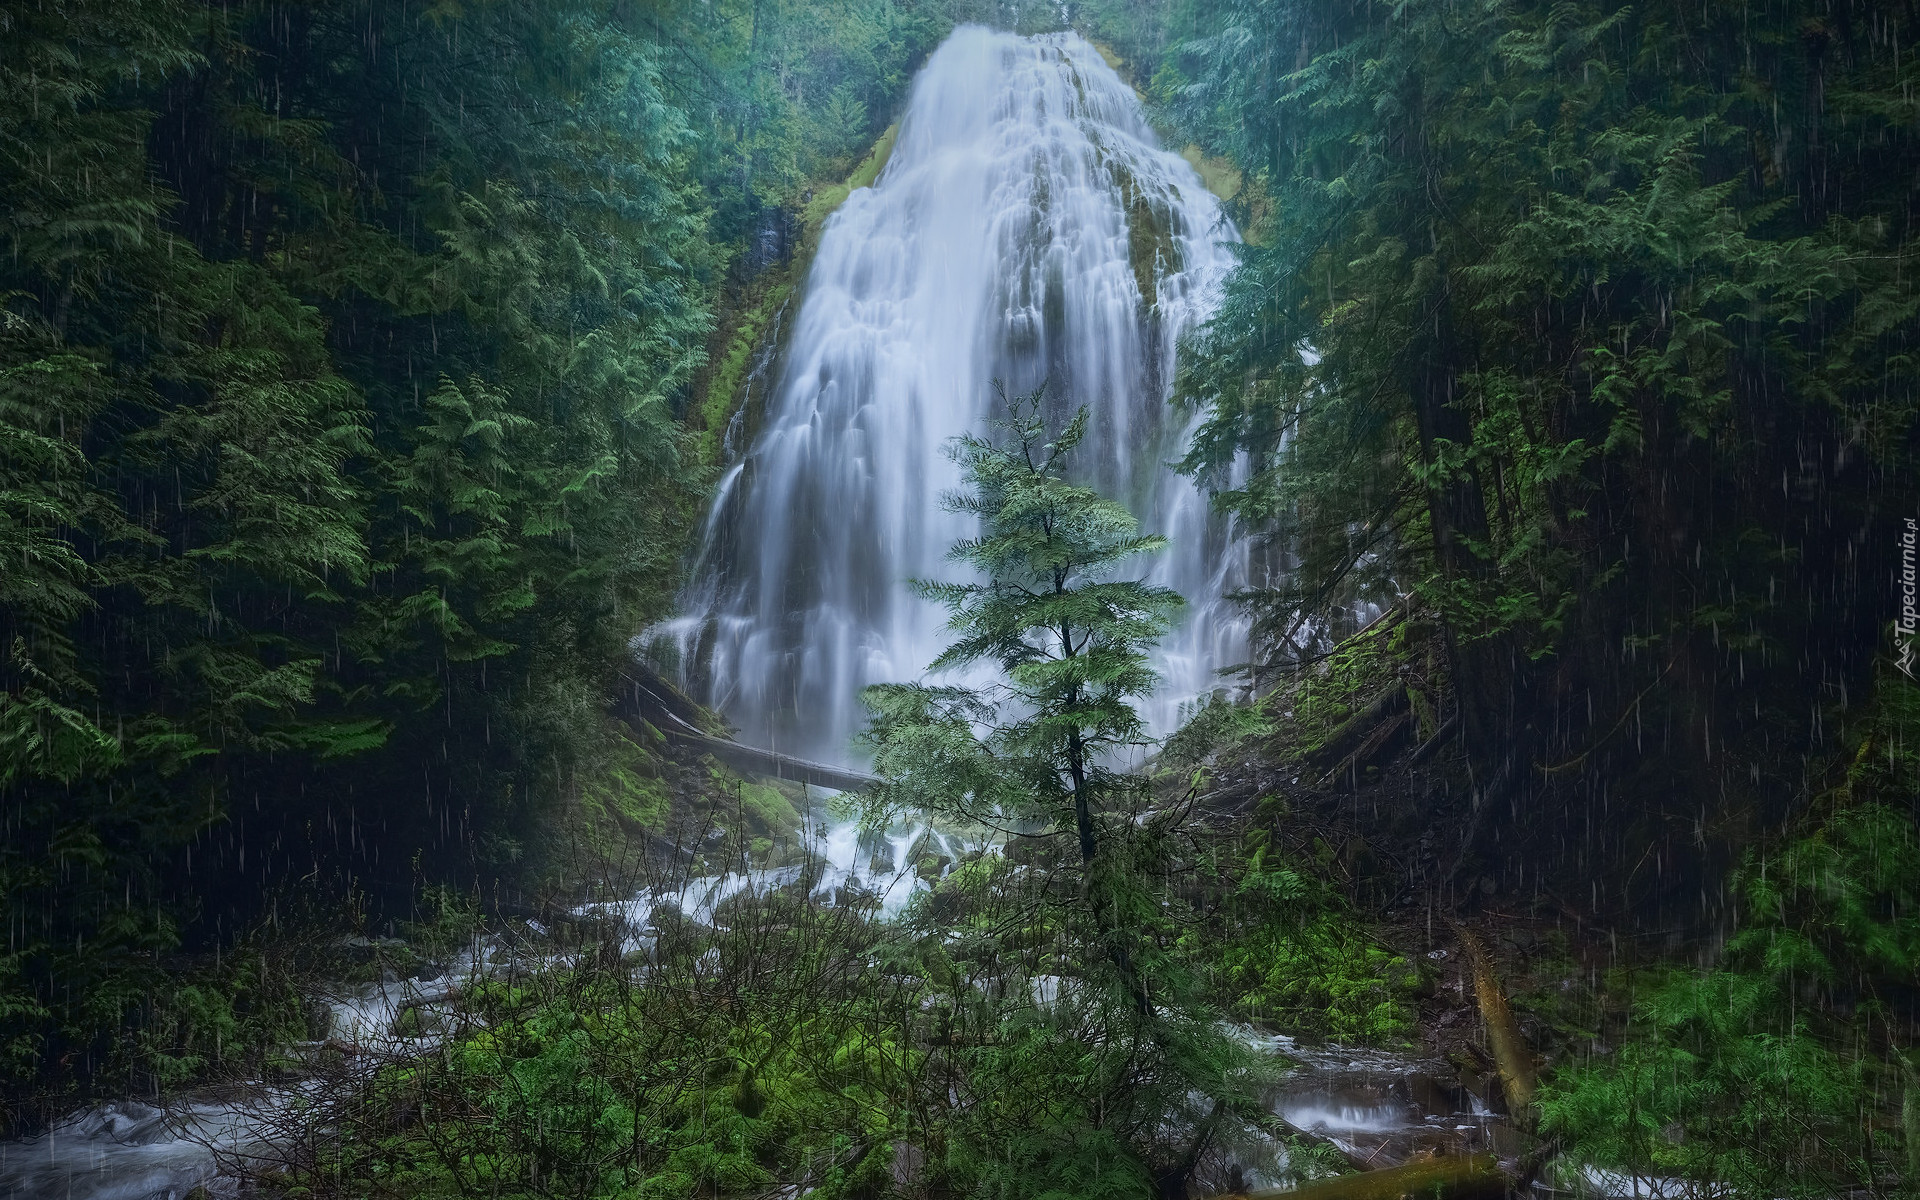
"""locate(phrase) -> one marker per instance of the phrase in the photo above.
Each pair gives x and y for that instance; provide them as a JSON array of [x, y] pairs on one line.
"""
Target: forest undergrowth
[[363, 365]]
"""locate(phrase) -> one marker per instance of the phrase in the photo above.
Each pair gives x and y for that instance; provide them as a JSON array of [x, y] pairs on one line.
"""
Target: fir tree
[[1070, 641], [1122, 1072]]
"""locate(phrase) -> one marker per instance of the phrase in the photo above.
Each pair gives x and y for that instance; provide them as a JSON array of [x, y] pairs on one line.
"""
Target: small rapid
[[132, 1149], [835, 861], [1377, 1107], [1027, 229]]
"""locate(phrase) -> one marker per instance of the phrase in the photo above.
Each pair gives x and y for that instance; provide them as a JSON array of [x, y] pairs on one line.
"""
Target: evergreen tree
[[1070, 642], [342, 351], [1587, 325], [1128, 1073]]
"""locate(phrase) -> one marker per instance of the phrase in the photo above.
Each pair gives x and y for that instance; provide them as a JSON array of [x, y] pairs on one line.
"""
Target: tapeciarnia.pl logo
[[1904, 629]]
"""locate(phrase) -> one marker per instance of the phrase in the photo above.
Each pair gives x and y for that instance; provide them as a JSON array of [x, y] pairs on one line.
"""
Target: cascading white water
[[1027, 229]]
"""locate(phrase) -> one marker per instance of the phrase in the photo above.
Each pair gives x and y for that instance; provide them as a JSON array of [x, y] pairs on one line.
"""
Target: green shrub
[[1724, 1087], [1299, 957]]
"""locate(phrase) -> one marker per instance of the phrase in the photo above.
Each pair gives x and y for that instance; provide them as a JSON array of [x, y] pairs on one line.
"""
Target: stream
[[1374, 1104]]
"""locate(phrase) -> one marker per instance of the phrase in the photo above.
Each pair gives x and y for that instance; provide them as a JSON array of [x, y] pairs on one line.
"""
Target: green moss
[[1220, 176], [630, 790], [622, 796], [768, 810], [1357, 671], [826, 200], [722, 395], [746, 329]]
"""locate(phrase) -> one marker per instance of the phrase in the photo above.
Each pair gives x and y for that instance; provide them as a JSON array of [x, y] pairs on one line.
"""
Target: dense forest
[[347, 347], [367, 368]]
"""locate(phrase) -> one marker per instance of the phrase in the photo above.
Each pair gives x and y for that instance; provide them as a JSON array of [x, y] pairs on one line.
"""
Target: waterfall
[[1027, 228]]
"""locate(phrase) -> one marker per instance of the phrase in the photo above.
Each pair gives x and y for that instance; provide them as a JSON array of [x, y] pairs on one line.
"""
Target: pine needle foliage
[[1788, 1069], [343, 350], [1070, 641], [1113, 1081], [1592, 325]]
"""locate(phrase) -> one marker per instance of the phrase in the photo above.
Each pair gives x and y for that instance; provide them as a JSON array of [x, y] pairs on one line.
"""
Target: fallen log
[[1510, 1054], [755, 761], [1381, 739], [1426, 749], [650, 702], [1477, 1177], [1354, 730], [645, 694]]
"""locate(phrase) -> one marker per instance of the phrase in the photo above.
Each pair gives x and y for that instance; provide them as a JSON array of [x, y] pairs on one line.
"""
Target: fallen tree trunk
[[1428, 748], [1510, 1054], [1354, 730], [648, 700], [1381, 740], [645, 694], [770, 763], [1471, 1178]]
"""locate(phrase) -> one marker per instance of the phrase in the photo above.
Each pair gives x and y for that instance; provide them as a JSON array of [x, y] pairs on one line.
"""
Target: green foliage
[[1294, 954], [1064, 1087], [827, 199], [264, 566], [724, 385], [234, 1020], [445, 922], [1069, 640], [1209, 726], [1776, 1073], [1098, 1089], [176, 448], [790, 1044], [792, 91], [341, 353], [1345, 681], [773, 1059], [1722, 1088], [1551, 307]]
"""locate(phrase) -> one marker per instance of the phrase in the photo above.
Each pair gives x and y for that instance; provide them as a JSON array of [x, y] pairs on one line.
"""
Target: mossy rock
[[750, 329], [826, 200], [1219, 175], [768, 811], [419, 1020]]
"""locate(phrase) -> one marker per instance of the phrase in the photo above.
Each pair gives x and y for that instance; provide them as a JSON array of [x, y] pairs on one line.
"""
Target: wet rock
[[874, 842], [419, 1020], [1025, 851], [909, 1161]]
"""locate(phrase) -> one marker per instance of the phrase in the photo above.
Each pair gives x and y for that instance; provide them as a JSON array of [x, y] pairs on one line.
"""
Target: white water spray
[[1026, 229]]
